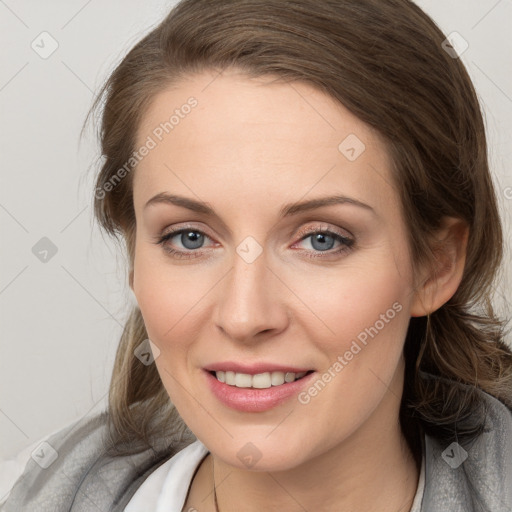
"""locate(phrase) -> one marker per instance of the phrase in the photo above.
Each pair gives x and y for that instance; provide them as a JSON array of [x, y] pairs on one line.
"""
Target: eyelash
[[347, 243]]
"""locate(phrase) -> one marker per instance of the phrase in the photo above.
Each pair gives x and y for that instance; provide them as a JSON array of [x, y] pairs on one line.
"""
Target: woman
[[313, 238]]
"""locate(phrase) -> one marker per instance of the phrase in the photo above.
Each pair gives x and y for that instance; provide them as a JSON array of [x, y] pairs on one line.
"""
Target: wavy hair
[[383, 61]]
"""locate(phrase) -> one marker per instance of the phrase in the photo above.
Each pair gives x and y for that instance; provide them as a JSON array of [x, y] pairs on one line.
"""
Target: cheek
[[349, 301], [164, 295], [364, 319], [167, 308]]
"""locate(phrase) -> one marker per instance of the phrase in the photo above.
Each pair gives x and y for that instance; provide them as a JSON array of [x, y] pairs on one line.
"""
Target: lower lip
[[255, 400]]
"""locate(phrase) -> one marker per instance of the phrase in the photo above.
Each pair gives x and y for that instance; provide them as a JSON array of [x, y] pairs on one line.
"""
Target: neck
[[356, 476]]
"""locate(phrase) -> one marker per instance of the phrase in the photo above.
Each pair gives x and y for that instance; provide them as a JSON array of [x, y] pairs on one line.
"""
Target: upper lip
[[253, 369]]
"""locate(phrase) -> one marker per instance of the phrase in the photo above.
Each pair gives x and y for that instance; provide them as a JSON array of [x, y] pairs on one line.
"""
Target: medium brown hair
[[384, 61]]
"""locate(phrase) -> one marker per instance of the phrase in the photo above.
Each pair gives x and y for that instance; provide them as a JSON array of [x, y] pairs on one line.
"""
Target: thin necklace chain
[[214, 488]]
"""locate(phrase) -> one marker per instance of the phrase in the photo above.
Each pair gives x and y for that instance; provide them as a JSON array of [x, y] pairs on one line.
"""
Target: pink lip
[[255, 400], [253, 369]]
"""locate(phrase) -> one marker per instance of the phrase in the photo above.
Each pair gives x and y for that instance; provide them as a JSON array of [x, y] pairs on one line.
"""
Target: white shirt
[[165, 490]]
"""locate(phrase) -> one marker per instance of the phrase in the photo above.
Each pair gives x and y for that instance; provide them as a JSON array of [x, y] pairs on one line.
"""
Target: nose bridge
[[249, 301]]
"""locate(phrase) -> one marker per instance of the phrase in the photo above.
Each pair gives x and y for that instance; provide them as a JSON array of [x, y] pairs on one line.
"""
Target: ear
[[449, 247]]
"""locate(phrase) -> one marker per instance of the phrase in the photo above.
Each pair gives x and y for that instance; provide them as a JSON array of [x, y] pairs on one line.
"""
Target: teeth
[[258, 381]]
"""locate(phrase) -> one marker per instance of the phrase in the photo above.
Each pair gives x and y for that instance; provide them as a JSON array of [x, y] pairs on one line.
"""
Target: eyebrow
[[285, 211]]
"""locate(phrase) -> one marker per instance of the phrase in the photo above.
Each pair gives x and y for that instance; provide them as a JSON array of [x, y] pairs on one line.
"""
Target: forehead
[[253, 135]]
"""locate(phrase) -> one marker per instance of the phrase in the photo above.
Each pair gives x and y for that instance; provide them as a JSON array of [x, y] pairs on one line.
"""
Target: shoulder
[[169, 484], [40, 456], [75, 467], [475, 477]]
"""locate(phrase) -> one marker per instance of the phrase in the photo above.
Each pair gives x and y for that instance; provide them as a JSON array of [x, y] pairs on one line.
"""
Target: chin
[[252, 454]]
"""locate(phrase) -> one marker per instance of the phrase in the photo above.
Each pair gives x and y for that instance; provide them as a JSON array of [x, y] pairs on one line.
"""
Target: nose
[[251, 303]]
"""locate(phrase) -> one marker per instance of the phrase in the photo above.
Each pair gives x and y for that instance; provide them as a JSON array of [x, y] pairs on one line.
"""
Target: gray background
[[61, 319]]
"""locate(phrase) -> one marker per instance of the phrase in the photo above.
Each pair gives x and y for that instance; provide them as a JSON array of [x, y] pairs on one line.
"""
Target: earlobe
[[449, 248]]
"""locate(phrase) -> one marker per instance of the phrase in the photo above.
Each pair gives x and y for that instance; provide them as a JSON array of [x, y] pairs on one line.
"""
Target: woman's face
[[255, 278]]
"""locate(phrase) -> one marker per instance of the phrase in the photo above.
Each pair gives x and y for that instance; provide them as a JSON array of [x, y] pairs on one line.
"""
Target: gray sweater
[[84, 478]]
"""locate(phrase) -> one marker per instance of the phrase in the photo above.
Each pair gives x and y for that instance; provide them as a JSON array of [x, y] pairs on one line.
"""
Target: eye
[[192, 240], [323, 240]]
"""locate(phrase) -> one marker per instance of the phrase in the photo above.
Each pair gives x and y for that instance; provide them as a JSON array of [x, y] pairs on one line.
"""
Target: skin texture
[[246, 149]]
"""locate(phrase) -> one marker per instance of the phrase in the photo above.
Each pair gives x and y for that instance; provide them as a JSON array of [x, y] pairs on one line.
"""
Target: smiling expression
[[256, 278]]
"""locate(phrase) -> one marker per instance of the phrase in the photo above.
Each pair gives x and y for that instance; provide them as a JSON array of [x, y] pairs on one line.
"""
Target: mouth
[[263, 380], [258, 392]]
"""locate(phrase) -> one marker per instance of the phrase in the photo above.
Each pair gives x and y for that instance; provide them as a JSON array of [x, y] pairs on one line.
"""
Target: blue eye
[[191, 239], [322, 242], [194, 238]]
